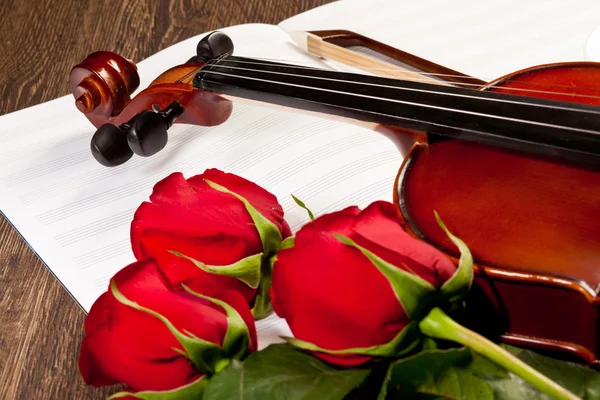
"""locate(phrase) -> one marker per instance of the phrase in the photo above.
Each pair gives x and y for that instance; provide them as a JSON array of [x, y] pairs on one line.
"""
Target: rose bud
[[153, 339], [215, 230], [354, 286], [354, 281]]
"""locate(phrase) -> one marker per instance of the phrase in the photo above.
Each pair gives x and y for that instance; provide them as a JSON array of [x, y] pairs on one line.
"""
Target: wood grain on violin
[[41, 327], [528, 221]]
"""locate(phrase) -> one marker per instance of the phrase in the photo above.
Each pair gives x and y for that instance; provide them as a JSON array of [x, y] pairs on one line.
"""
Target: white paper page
[[75, 213], [485, 39]]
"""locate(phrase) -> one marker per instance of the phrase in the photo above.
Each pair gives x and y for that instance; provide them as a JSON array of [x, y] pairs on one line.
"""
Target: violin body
[[532, 222]]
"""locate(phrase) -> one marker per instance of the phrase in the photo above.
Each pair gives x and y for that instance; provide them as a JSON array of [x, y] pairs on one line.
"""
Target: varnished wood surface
[[40, 325]]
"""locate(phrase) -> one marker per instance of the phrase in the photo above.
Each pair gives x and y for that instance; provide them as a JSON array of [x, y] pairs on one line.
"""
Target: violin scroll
[[103, 83]]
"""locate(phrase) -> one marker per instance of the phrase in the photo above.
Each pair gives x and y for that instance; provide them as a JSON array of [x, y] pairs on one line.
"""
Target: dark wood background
[[41, 327]]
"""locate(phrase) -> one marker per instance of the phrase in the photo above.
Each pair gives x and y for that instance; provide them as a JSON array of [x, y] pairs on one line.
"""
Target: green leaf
[[437, 372], [282, 372], [246, 270], [464, 374], [414, 293], [205, 355], [405, 341], [457, 287], [237, 337], [302, 205], [580, 380], [192, 390], [268, 231]]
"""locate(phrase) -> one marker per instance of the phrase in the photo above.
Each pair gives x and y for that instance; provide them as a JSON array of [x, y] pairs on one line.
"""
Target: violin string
[[308, 65], [574, 129], [473, 85], [428, 74], [428, 91], [189, 74]]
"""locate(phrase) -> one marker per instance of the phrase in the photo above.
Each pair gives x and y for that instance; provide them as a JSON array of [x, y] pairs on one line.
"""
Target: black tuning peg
[[109, 145], [211, 46], [147, 134]]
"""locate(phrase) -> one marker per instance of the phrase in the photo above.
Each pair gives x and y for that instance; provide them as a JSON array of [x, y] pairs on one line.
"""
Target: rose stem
[[439, 325]]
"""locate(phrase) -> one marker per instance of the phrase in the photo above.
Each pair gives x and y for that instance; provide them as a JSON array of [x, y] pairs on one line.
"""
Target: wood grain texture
[[40, 325]]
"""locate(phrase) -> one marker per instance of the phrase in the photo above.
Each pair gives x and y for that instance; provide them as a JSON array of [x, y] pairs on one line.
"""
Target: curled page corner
[[592, 46]]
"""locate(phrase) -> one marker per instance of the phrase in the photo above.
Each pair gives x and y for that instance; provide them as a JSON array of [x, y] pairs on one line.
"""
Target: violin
[[512, 165]]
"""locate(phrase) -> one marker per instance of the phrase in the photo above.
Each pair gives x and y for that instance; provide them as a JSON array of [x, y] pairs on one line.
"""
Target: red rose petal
[[266, 203], [213, 250], [184, 208], [332, 296], [213, 213], [377, 228], [236, 301], [105, 361], [97, 315], [174, 191], [343, 360], [143, 284], [339, 222]]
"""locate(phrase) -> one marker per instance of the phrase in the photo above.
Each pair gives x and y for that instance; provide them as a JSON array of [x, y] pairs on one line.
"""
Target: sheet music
[[75, 213], [485, 39]]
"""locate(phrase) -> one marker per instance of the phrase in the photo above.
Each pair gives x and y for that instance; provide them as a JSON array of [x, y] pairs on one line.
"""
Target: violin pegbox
[[103, 85], [145, 135], [148, 132]]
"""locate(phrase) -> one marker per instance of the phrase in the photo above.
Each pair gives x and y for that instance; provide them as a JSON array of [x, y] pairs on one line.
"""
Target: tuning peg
[[147, 134], [211, 46], [109, 145]]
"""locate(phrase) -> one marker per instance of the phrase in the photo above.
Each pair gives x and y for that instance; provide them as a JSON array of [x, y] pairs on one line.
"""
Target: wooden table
[[41, 327]]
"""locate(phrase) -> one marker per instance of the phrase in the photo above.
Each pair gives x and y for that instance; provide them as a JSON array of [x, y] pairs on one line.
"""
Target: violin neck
[[569, 131]]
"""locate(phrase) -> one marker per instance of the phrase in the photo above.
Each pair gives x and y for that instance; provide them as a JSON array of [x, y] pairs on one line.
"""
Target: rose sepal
[[204, 354], [246, 270], [193, 390], [403, 343], [287, 243], [237, 338], [455, 289], [270, 235], [271, 240], [262, 301], [416, 296], [301, 204], [207, 356], [413, 292]]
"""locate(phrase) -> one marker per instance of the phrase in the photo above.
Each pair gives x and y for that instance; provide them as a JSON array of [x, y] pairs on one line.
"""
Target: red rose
[[334, 297], [145, 335], [204, 223]]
